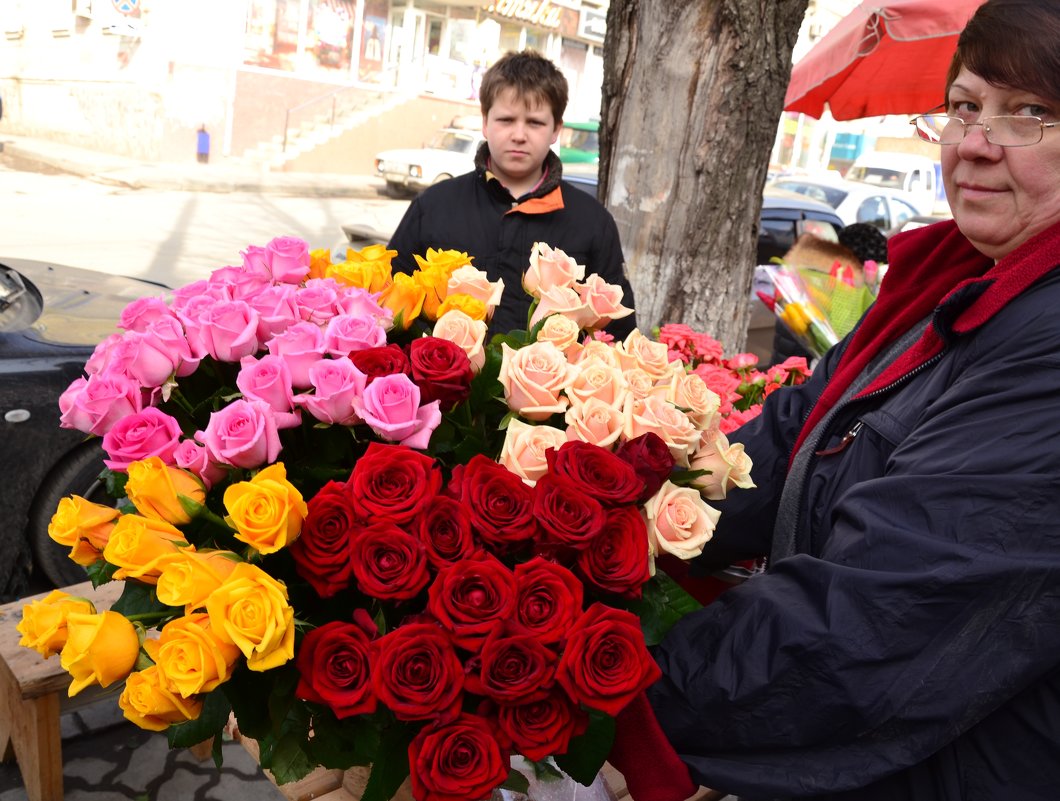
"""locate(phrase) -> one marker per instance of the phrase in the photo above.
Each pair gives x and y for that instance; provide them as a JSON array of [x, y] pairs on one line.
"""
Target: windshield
[[877, 176], [453, 142], [831, 195]]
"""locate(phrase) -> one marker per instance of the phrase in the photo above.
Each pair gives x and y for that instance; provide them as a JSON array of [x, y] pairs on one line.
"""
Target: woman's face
[[1001, 196]]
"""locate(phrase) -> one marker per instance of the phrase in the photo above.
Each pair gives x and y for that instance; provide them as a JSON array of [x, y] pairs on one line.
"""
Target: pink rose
[[679, 521], [288, 259], [156, 354], [604, 299], [729, 467], [359, 302], [468, 334], [140, 313], [256, 260], [320, 300], [228, 331], [742, 361], [95, 404], [689, 391], [534, 379], [347, 333], [150, 432], [549, 268], [182, 296], [390, 405], [595, 422], [523, 452], [268, 379], [277, 310], [194, 457], [301, 346], [104, 357], [336, 383], [736, 418], [563, 300], [235, 283], [722, 382], [656, 415], [468, 280], [242, 434]]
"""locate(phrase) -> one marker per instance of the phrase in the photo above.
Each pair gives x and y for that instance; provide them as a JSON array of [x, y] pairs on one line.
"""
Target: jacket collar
[[543, 190]]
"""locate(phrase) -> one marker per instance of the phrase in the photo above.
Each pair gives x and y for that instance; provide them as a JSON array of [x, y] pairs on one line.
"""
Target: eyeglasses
[[1004, 131]]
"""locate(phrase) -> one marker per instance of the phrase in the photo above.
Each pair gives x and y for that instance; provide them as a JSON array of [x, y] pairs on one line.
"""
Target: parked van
[[916, 176]]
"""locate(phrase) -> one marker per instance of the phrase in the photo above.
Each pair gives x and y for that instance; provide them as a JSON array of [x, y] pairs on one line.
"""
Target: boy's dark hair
[[531, 75]]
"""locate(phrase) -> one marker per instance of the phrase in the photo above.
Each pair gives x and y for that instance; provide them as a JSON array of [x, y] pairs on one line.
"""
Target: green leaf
[[391, 766], [344, 743], [289, 762], [664, 603], [588, 752], [114, 482], [139, 599], [210, 723], [245, 693], [100, 572], [517, 782]]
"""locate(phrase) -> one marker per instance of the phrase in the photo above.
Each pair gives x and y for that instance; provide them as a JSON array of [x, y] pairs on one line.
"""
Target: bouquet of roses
[[373, 537]]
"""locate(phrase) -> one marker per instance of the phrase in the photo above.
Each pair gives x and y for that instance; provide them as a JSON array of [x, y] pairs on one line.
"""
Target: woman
[[905, 640]]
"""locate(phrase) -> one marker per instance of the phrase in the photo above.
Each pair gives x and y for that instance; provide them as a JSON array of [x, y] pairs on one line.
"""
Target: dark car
[[51, 318]]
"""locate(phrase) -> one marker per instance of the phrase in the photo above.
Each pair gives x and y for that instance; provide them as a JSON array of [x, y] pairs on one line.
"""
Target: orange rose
[[100, 649], [156, 489], [140, 547], [43, 625], [148, 703], [84, 527], [405, 298]]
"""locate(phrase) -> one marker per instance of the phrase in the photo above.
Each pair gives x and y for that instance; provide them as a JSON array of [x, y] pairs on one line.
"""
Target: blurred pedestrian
[[202, 145]]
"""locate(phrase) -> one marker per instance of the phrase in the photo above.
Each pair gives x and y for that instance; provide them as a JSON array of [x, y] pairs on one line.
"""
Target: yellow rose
[[472, 307], [319, 261], [43, 624], [155, 489], [140, 547], [368, 268], [448, 260], [100, 649], [405, 298], [433, 280], [250, 610], [192, 658], [189, 577], [267, 511], [150, 705], [82, 526]]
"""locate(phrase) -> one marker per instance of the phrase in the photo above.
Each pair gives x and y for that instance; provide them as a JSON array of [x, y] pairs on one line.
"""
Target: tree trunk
[[692, 94]]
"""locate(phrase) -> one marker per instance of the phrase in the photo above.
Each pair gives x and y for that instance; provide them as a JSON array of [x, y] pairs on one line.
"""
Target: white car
[[409, 171], [854, 202]]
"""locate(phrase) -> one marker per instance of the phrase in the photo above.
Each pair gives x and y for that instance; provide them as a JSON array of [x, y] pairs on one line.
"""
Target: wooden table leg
[[37, 743]]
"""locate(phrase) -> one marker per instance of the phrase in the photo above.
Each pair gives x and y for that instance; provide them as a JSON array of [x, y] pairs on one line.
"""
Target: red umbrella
[[884, 57]]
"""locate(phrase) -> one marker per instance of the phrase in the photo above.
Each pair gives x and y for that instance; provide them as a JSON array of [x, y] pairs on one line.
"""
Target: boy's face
[[519, 132]]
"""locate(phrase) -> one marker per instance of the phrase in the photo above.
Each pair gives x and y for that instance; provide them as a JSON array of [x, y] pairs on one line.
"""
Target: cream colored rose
[[679, 521], [525, 446], [534, 379], [599, 380], [562, 300], [548, 268], [689, 392], [640, 384], [650, 356], [468, 280], [595, 422], [604, 299], [729, 466], [563, 333], [467, 333], [605, 352], [658, 416]]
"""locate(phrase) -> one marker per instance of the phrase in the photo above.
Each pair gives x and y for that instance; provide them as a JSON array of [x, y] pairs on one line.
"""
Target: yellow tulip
[[151, 705], [100, 649], [155, 489], [267, 511], [405, 298], [84, 527], [251, 611], [43, 625]]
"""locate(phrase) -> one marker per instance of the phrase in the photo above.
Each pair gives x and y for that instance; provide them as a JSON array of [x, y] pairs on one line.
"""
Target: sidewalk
[[222, 175]]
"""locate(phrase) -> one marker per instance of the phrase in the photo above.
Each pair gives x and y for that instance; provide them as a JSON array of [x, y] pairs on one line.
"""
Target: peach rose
[[601, 381], [689, 391], [523, 452], [550, 267], [650, 356], [595, 422], [604, 299], [534, 379], [679, 521], [658, 416], [640, 384], [468, 333], [595, 349], [468, 280], [563, 333], [729, 466], [562, 300]]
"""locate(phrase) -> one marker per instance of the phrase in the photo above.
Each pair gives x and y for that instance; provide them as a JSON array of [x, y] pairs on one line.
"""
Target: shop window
[[434, 35], [330, 29], [271, 38]]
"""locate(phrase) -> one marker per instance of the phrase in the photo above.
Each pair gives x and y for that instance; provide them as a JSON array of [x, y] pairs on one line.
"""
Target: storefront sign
[[592, 25], [536, 12]]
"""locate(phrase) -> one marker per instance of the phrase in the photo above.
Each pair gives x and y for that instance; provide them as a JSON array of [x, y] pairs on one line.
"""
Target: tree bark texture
[[693, 91]]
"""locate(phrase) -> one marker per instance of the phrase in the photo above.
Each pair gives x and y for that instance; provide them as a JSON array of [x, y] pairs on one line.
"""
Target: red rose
[[512, 669], [442, 371], [618, 560], [605, 662], [457, 761], [542, 728], [385, 360], [416, 672], [500, 504], [333, 666], [323, 551], [445, 530], [388, 563], [472, 597], [599, 472], [566, 514], [393, 482], [548, 599], [650, 457]]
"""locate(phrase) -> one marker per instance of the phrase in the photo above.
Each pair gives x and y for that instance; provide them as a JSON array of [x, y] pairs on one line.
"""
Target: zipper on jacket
[[846, 440]]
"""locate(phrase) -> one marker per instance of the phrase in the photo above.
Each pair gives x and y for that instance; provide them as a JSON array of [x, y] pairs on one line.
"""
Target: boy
[[516, 195]]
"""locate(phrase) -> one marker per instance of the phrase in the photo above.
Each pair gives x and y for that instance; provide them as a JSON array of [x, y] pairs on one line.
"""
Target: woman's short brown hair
[[531, 75], [1012, 43]]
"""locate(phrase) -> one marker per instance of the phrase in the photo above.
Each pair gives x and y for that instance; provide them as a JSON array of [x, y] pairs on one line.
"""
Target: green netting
[[841, 303]]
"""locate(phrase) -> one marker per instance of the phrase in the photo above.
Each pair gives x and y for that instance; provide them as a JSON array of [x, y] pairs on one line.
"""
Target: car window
[[831, 195], [454, 142], [878, 176], [20, 303], [873, 210], [775, 238], [901, 211], [822, 229]]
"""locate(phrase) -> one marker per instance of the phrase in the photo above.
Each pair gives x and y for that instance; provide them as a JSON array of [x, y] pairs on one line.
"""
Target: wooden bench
[[33, 694]]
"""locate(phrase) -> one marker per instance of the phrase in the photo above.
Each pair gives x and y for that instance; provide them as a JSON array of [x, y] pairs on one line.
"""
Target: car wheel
[[77, 474], [394, 190]]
